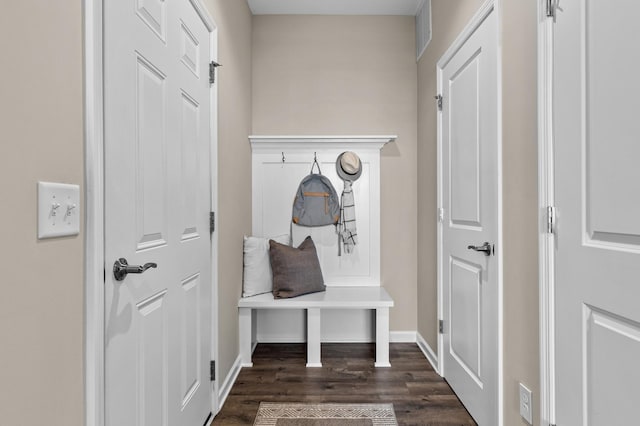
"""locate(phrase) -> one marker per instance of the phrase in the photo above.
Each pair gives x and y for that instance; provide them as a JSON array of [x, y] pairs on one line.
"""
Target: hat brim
[[344, 175]]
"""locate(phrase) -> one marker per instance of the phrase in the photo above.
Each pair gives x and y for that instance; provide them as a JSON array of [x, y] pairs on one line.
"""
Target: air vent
[[423, 28]]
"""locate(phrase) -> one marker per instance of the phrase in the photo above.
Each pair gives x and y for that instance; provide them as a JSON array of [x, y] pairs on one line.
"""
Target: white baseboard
[[394, 337], [226, 386], [297, 339], [428, 352], [402, 337], [267, 338], [415, 337]]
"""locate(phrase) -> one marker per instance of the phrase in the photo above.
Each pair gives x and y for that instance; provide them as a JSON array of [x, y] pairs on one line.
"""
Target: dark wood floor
[[418, 394]]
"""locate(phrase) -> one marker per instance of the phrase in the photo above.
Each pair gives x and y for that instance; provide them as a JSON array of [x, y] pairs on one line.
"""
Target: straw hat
[[348, 166]]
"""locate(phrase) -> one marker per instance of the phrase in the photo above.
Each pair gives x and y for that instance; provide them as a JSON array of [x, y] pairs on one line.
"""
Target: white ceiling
[[335, 7]]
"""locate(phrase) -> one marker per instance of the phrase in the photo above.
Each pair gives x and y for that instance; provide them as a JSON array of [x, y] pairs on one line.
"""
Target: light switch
[[58, 209]]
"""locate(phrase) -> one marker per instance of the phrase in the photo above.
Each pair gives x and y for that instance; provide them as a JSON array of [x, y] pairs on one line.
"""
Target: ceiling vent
[[423, 28]]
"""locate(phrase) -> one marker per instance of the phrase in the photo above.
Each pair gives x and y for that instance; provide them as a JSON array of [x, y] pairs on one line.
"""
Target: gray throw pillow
[[296, 271]]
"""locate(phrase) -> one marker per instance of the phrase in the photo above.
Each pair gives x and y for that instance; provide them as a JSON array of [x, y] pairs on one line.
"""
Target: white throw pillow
[[258, 277]]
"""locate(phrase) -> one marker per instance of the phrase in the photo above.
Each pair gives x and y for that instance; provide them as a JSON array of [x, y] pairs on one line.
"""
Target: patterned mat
[[273, 414]]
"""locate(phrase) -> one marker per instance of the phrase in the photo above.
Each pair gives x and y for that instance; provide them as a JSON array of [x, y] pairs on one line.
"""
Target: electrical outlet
[[526, 404]]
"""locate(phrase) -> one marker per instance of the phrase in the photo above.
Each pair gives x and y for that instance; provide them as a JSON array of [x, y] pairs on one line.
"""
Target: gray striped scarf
[[347, 225]]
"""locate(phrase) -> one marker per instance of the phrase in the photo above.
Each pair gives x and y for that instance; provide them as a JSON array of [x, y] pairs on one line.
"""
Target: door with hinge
[[158, 308], [596, 105], [469, 191]]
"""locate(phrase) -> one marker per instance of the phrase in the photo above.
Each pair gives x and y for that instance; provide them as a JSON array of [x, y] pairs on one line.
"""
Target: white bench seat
[[373, 297]]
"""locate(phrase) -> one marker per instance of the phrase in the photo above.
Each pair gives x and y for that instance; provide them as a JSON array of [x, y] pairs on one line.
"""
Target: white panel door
[[469, 150], [596, 104], [157, 201]]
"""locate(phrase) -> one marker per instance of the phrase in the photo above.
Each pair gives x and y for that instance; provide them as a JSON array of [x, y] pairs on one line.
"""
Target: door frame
[[487, 7], [94, 261], [546, 198]]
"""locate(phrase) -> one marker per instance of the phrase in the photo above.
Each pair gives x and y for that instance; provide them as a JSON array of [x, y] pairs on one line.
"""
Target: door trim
[[94, 262], [487, 7], [546, 197], [94, 215]]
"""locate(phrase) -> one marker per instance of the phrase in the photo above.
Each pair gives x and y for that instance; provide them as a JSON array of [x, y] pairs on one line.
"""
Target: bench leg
[[244, 325], [313, 338], [382, 337]]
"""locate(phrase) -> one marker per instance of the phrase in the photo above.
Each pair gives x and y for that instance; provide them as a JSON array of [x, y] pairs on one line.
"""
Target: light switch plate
[[58, 209]]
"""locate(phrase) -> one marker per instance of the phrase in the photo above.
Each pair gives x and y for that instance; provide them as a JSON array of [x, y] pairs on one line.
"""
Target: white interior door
[[596, 104], [158, 324], [469, 192]]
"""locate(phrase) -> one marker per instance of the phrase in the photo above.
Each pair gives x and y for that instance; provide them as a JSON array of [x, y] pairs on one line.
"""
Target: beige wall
[[350, 75], [448, 19], [520, 207], [234, 166], [41, 138], [310, 75]]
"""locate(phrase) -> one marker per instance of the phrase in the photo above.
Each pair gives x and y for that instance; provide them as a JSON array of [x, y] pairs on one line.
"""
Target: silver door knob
[[121, 268], [486, 248]]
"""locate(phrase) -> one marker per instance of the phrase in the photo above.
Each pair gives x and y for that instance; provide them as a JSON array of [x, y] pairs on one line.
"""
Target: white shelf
[[304, 142]]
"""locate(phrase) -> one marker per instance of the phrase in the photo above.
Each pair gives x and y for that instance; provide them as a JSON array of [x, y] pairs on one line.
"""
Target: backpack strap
[[315, 163]]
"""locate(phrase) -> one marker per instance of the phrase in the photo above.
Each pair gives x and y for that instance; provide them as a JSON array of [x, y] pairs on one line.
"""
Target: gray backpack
[[316, 202]]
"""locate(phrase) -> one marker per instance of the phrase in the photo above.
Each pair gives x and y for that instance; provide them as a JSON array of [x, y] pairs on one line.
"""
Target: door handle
[[121, 268], [486, 248]]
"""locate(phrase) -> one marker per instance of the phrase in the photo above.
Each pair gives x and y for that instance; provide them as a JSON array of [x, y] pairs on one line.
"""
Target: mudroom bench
[[369, 297]]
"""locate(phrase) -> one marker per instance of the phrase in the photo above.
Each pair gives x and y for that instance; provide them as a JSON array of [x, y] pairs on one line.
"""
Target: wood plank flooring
[[419, 396]]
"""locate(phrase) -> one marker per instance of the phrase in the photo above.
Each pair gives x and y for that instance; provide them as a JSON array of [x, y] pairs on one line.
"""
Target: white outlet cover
[[526, 405], [58, 209]]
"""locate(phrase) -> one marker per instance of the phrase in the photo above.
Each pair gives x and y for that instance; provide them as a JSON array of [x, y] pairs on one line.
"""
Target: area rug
[[274, 414]]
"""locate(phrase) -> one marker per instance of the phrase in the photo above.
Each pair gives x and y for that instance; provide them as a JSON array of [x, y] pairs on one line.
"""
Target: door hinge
[[212, 222], [208, 420], [439, 100], [212, 71], [212, 371], [440, 215], [441, 326], [551, 219], [551, 8]]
